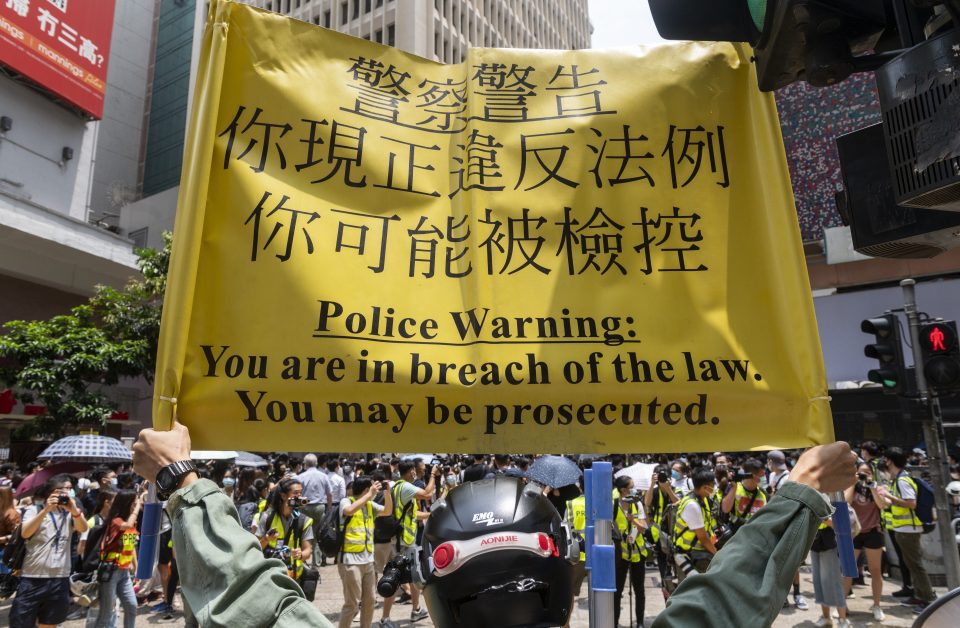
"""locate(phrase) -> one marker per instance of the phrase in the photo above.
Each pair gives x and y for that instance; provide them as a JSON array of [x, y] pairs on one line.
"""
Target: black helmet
[[496, 553]]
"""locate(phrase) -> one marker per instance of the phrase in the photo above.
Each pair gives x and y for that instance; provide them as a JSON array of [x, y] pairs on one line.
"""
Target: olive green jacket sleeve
[[749, 579], [225, 579]]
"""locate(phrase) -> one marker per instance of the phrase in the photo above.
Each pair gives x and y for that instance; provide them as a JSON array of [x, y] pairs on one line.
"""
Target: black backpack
[[387, 527], [331, 532], [16, 549]]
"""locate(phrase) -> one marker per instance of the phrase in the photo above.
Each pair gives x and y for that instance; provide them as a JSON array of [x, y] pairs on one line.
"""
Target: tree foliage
[[68, 362]]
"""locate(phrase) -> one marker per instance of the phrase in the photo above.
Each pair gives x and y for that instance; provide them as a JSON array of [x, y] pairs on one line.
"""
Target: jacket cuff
[[809, 497], [190, 496]]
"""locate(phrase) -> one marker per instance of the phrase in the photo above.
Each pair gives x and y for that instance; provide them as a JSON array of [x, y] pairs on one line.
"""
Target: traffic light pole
[[935, 439]]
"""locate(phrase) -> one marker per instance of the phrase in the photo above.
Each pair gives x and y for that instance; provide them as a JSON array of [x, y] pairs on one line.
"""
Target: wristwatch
[[169, 477]]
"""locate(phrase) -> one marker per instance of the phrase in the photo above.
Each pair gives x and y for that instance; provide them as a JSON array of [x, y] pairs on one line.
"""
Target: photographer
[[227, 582], [746, 497], [355, 565], [629, 525], [43, 594], [869, 504], [287, 534], [405, 509], [655, 502], [693, 532]]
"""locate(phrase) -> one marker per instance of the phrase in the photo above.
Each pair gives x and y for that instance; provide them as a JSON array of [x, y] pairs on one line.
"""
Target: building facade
[[69, 155]]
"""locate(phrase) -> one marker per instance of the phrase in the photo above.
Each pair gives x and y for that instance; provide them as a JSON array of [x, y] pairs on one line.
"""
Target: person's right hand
[[827, 468], [374, 488], [154, 450], [53, 502]]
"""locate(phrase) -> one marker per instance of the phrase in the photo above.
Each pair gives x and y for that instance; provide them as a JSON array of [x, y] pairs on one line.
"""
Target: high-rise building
[[73, 75], [441, 30]]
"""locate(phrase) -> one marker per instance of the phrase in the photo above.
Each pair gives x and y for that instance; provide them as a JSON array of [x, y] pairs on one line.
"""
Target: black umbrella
[[554, 471]]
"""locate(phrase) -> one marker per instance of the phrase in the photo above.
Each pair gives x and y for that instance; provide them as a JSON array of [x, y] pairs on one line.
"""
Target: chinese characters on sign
[[565, 251], [63, 45]]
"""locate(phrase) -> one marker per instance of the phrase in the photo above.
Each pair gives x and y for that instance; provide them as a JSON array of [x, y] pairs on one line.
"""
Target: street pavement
[[329, 599]]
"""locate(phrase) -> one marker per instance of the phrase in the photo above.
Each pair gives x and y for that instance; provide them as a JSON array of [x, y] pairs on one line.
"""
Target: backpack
[[16, 549], [90, 560], [925, 504], [387, 527], [331, 533], [247, 511]]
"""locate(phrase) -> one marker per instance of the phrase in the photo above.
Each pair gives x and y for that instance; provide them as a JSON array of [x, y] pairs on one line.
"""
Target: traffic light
[[941, 356], [888, 351], [793, 40]]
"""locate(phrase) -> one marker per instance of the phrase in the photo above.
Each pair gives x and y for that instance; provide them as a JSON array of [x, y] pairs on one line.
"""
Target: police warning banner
[[536, 251]]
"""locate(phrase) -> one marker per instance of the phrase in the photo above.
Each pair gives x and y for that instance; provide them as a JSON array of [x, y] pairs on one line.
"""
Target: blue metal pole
[[603, 572], [588, 540], [841, 527]]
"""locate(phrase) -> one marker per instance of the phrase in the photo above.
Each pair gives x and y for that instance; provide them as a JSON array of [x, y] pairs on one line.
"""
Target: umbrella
[[211, 454], [641, 473], [424, 457], [87, 448], [37, 479], [587, 457], [554, 471], [247, 459]]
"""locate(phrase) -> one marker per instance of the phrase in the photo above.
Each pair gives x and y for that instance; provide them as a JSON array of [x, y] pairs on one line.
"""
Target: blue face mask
[[676, 474], [228, 482], [72, 493], [113, 482]]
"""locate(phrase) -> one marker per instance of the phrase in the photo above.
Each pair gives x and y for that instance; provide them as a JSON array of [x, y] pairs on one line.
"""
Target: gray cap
[[777, 457]]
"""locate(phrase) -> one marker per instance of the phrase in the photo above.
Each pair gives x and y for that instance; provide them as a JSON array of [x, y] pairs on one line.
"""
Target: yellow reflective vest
[[744, 495], [899, 515], [292, 538], [686, 539], [408, 521], [577, 517], [631, 552], [358, 533]]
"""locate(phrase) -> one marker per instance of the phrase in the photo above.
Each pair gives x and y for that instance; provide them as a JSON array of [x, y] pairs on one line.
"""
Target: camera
[[662, 477], [396, 572], [280, 551], [740, 476], [862, 477], [63, 500], [296, 502]]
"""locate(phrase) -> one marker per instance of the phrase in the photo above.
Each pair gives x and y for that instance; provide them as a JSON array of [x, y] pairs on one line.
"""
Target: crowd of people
[[81, 530]]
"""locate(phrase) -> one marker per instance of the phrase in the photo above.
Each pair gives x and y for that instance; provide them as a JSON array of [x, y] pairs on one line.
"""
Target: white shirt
[[337, 486], [692, 515]]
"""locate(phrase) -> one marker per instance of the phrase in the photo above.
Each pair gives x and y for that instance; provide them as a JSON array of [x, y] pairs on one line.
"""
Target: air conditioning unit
[[878, 225], [920, 100]]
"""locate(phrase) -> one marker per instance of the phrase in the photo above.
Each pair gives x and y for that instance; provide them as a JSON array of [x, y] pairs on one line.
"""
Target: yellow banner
[[536, 251]]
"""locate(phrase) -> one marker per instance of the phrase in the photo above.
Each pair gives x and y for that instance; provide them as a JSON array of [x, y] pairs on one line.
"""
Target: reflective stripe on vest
[[901, 516], [630, 552], [683, 537], [358, 534], [409, 521]]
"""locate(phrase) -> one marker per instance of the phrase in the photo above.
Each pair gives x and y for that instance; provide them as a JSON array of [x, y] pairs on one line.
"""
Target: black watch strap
[[168, 480]]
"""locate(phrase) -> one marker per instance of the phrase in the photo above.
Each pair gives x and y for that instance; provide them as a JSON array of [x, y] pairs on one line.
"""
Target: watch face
[[165, 479]]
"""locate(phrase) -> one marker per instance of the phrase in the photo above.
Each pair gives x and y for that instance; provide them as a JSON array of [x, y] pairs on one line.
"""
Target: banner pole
[[602, 575]]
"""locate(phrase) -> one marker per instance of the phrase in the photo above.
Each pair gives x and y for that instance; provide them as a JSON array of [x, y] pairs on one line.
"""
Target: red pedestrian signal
[[941, 358]]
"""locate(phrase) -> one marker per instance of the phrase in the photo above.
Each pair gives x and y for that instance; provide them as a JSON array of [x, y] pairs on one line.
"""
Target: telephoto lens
[[395, 573]]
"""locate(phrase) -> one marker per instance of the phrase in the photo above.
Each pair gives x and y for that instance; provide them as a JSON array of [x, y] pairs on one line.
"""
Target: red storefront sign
[[62, 45]]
